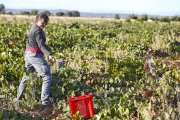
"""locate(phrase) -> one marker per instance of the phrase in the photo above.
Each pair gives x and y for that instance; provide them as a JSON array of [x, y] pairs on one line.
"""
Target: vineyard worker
[[36, 48]]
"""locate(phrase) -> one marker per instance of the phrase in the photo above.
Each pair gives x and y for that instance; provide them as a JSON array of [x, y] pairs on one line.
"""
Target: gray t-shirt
[[37, 40]]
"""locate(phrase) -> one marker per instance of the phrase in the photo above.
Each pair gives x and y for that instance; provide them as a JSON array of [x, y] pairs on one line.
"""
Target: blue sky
[[170, 7]]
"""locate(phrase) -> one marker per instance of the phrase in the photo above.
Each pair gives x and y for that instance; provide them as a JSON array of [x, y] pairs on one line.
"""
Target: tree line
[[145, 17], [73, 13], [67, 13]]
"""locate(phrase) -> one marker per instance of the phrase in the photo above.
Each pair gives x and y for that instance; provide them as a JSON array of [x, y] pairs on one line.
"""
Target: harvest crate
[[83, 104]]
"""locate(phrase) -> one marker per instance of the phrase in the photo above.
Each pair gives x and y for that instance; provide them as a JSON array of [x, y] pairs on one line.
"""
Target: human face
[[42, 23]]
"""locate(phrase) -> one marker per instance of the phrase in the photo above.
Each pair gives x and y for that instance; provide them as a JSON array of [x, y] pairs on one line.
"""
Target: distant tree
[[143, 17], [165, 19], [175, 18], [76, 13], [72, 13], [59, 14], [68, 13], [116, 16], [154, 18], [24, 13], [2, 9], [133, 16], [34, 12], [9, 13]]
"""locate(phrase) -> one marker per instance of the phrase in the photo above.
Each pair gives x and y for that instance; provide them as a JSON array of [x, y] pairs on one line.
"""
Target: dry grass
[[56, 19]]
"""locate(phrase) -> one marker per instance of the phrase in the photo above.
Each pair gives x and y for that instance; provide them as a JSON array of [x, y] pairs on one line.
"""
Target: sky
[[169, 7]]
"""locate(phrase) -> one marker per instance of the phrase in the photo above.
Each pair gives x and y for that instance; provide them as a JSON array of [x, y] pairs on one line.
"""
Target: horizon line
[[159, 13]]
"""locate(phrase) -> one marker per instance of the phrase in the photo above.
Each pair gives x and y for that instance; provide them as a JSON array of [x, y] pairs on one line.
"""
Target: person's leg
[[43, 69], [22, 85]]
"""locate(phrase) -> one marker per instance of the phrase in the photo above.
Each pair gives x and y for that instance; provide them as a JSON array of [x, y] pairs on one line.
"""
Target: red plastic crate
[[83, 104]]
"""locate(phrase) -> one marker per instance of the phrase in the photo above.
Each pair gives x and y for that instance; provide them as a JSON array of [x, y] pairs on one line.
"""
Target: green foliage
[[154, 18], [9, 13], [127, 68], [106, 59], [128, 20], [133, 16], [60, 14], [34, 12], [175, 18], [72, 13], [175, 47], [24, 13], [143, 17], [165, 19]]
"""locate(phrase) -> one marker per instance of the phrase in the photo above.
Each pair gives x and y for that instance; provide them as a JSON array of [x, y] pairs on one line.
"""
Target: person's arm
[[41, 44]]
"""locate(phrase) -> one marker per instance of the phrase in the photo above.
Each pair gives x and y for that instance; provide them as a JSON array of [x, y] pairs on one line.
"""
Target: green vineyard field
[[131, 68]]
